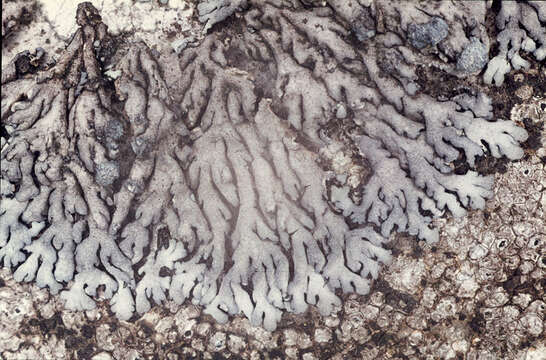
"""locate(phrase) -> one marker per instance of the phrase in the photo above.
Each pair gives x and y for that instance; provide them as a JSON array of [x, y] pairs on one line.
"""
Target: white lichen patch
[[137, 17], [53, 23]]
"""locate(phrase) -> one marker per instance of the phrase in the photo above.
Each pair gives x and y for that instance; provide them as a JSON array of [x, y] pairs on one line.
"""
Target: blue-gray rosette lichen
[[214, 185]]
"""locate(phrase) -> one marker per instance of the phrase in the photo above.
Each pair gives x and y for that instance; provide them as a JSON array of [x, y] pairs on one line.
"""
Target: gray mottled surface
[[478, 293]]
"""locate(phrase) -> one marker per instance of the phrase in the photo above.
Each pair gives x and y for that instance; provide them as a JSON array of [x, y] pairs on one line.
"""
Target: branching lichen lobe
[[210, 188]]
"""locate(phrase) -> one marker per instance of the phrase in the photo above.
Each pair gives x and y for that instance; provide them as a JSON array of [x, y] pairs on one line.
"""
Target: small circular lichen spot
[[114, 129], [106, 173], [473, 58], [431, 33]]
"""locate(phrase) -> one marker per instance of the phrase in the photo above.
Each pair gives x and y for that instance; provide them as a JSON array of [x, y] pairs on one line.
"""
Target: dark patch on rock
[[437, 83], [477, 323], [148, 330], [488, 165], [72, 342], [22, 64], [417, 251], [460, 165], [383, 338], [163, 238], [86, 352], [394, 298], [276, 354], [25, 17], [165, 272], [534, 129], [88, 331], [327, 353], [180, 351], [514, 285], [62, 331], [235, 357], [48, 325], [503, 96]]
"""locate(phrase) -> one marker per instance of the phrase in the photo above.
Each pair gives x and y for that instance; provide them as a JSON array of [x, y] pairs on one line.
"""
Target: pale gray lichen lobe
[[206, 185]]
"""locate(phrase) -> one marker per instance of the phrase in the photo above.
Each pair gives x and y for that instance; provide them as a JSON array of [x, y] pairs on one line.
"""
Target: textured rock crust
[[120, 182], [15, 14]]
